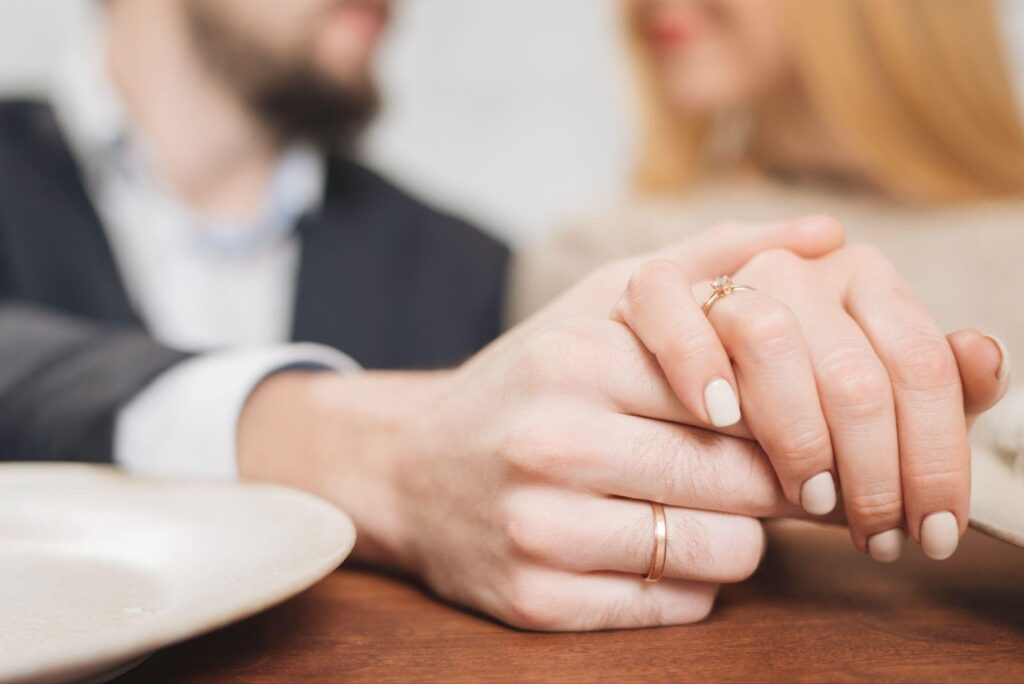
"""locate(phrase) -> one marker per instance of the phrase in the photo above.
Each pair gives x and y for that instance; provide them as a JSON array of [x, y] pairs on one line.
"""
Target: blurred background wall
[[514, 112], [511, 111]]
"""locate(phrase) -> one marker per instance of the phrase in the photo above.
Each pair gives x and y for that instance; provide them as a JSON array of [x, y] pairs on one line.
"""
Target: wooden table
[[817, 611]]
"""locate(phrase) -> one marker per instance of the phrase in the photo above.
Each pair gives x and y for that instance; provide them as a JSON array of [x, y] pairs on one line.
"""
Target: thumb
[[984, 366], [724, 248]]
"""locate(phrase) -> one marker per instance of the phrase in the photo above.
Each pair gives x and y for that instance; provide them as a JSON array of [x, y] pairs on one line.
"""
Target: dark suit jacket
[[382, 277]]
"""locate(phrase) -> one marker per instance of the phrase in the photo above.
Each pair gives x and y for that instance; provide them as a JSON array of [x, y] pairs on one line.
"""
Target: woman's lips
[[670, 35]]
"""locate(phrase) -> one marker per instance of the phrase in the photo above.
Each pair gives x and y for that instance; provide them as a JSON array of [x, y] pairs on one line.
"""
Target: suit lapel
[[353, 272]]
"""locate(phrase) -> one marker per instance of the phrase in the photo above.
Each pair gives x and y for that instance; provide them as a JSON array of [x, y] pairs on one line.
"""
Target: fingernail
[[721, 403], [1004, 363], [818, 494], [940, 535], [885, 547]]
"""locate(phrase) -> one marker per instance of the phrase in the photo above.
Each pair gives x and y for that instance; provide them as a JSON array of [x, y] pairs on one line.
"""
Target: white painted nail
[[818, 494], [1004, 363], [721, 403], [885, 547], [940, 535]]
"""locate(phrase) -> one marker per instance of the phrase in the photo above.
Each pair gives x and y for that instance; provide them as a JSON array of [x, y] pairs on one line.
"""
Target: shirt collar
[[97, 127]]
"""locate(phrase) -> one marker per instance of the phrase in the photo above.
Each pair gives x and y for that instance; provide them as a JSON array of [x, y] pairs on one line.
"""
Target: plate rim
[[97, 658]]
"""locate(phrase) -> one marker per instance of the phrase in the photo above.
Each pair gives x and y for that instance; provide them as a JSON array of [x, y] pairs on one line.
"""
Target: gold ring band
[[660, 543], [722, 287]]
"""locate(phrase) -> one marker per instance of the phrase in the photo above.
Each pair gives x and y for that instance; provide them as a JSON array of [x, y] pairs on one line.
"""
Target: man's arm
[[64, 379], [75, 390]]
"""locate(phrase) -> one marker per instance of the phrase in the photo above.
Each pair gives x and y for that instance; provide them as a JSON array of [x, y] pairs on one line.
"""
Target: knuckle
[[688, 343], [926, 362], [525, 532], [531, 448], [541, 355], [805, 446], [531, 603], [882, 502], [546, 354], [859, 391], [937, 476], [770, 329], [775, 260]]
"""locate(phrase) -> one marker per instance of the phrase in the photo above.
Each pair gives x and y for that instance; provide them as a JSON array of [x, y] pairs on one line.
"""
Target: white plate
[[98, 569]]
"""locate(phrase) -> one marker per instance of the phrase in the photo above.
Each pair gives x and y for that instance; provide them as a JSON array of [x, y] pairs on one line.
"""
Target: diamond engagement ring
[[722, 287]]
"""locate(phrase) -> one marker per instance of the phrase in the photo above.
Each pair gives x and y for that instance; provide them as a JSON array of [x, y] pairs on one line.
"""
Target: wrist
[[348, 439]]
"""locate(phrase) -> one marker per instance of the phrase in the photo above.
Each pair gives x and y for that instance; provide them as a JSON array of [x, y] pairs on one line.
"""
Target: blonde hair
[[919, 88]]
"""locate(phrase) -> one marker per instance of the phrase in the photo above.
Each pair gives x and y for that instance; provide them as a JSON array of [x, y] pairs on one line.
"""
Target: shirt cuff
[[184, 423]]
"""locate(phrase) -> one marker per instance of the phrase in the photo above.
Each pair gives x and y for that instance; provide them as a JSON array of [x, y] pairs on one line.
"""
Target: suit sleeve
[[63, 381]]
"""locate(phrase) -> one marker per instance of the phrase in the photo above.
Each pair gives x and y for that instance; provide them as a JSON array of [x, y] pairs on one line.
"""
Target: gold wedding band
[[660, 543], [722, 287]]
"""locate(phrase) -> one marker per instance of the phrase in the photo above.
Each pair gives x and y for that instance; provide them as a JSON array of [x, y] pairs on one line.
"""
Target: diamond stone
[[722, 284]]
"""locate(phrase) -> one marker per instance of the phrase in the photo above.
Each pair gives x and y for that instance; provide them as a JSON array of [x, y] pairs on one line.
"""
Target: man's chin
[[316, 111]]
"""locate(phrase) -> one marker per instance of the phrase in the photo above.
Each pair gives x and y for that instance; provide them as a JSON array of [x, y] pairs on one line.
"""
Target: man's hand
[[519, 484]]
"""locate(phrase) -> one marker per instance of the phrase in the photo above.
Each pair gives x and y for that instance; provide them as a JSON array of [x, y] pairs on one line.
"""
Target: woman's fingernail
[[940, 535], [1004, 363], [818, 494], [885, 547], [721, 403]]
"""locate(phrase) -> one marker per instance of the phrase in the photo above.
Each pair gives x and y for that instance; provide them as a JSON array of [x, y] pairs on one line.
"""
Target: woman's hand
[[840, 371]]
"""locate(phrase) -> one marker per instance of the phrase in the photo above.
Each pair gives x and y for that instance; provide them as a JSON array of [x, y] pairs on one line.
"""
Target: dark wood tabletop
[[818, 610]]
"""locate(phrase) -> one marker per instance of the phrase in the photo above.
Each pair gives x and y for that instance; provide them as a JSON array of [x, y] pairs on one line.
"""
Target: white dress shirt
[[221, 287]]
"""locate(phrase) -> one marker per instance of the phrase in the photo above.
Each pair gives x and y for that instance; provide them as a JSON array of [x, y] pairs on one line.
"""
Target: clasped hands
[[519, 484]]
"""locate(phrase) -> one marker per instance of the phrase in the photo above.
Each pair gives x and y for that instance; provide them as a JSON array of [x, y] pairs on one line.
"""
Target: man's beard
[[289, 96]]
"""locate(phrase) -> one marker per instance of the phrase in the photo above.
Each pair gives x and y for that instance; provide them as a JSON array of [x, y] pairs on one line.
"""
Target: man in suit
[[195, 181], [193, 271]]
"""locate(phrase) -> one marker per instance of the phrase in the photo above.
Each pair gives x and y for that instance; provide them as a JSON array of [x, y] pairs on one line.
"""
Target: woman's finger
[[780, 398], [857, 398], [658, 306], [585, 533], [934, 450]]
